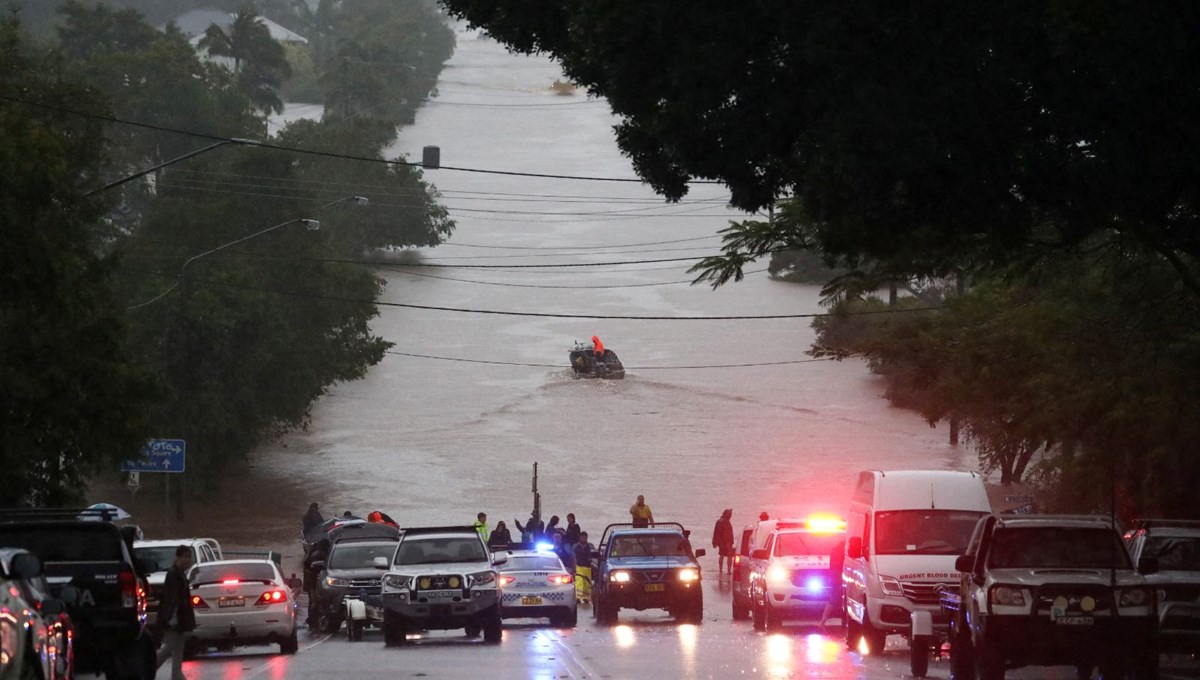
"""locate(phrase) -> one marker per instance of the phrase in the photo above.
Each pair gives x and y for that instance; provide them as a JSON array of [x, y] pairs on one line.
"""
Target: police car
[[535, 584]]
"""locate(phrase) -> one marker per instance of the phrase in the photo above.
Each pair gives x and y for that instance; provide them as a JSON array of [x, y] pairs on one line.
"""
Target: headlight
[[778, 576], [689, 575], [398, 582], [481, 578], [619, 576], [1135, 597], [1007, 596], [337, 582], [890, 586]]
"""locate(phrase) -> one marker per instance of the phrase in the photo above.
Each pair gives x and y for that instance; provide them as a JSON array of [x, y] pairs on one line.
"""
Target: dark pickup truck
[[643, 568], [91, 568]]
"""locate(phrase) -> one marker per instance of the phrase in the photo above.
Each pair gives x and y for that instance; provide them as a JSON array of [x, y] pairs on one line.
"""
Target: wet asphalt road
[[642, 645]]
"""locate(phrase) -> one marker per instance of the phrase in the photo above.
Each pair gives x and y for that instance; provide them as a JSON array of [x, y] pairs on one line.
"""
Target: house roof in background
[[193, 24]]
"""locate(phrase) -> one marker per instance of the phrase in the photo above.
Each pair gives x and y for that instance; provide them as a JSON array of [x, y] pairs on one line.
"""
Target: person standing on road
[[312, 518], [552, 528], [175, 616], [500, 538], [763, 516], [641, 514], [583, 568], [723, 541], [532, 530], [318, 553], [481, 526], [572, 535], [565, 553]]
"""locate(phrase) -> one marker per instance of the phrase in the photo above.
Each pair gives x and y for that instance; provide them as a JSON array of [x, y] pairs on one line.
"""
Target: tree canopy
[[927, 136]]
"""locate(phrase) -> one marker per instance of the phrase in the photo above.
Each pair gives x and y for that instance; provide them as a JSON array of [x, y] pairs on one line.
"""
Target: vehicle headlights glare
[[890, 586], [1134, 597], [398, 582], [689, 575], [481, 578], [337, 582], [1007, 596], [619, 577], [778, 576]]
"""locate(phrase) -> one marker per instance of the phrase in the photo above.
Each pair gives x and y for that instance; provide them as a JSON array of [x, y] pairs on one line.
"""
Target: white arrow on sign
[[166, 463]]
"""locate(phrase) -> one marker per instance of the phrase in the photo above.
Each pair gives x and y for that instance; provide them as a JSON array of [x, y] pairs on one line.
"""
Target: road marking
[[282, 659], [560, 642]]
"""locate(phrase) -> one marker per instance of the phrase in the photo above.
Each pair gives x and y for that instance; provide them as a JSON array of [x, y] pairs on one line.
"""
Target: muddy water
[[437, 441]]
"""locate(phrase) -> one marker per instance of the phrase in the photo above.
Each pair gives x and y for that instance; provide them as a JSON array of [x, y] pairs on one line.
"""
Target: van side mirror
[[1148, 565], [964, 563], [701, 552], [854, 548], [380, 562], [760, 554], [26, 565]]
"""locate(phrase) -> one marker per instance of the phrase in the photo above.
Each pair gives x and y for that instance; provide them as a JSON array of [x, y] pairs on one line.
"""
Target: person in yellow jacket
[[641, 514], [481, 526]]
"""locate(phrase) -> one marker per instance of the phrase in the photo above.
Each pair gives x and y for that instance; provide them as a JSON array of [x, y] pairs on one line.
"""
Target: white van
[[905, 530]]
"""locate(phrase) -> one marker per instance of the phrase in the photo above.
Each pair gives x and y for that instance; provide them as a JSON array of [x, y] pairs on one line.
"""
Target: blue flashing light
[[544, 547], [814, 584]]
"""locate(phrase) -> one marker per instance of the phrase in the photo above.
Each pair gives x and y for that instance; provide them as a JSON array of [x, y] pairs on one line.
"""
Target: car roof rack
[[630, 525], [1165, 523], [460, 529], [1106, 520], [58, 514]]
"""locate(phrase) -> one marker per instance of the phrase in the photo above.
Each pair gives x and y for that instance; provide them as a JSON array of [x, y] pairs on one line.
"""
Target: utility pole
[[537, 497], [960, 283]]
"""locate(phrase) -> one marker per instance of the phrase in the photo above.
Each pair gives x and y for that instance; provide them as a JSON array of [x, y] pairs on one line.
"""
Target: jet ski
[[586, 364]]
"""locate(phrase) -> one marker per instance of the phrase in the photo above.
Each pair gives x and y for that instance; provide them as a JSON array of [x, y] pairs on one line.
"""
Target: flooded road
[[434, 440]]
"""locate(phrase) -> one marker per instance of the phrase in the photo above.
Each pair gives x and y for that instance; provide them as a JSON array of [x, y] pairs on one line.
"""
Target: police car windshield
[[924, 532], [650, 545], [439, 550], [539, 563], [1057, 548], [1174, 553], [801, 543], [359, 555]]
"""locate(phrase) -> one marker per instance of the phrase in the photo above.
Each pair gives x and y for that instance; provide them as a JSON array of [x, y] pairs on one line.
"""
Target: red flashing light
[[825, 524], [230, 582]]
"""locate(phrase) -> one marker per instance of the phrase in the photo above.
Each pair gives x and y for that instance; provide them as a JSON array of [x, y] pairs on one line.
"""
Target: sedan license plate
[[655, 587], [238, 601], [531, 601], [1074, 620]]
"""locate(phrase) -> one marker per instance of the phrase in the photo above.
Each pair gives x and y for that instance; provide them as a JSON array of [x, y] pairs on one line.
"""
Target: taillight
[[272, 597], [198, 602], [560, 579], [129, 587], [505, 580]]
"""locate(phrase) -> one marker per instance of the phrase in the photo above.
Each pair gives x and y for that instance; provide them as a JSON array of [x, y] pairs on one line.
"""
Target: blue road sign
[[159, 455]]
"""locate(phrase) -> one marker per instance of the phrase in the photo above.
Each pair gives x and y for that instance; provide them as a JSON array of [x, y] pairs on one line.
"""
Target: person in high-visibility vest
[[597, 347], [480, 526], [583, 568]]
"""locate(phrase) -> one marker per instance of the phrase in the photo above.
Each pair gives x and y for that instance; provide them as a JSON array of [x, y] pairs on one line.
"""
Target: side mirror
[[26, 565], [54, 607], [319, 565], [1148, 565], [854, 548], [760, 554], [964, 563], [701, 552], [499, 558], [380, 562]]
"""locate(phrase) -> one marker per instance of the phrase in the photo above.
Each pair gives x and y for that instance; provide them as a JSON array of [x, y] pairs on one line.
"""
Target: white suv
[[441, 578]]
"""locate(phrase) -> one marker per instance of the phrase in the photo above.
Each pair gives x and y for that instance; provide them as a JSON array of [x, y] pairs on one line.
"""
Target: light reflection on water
[[624, 636]]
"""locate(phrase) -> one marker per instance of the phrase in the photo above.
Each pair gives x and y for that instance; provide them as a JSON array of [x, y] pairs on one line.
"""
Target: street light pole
[[184, 157]]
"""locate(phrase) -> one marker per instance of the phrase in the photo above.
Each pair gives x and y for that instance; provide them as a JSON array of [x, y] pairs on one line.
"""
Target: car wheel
[[962, 654], [291, 645], [988, 663], [493, 629], [740, 613], [395, 631], [329, 623], [918, 655], [760, 617], [876, 639], [569, 618], [472, 630]]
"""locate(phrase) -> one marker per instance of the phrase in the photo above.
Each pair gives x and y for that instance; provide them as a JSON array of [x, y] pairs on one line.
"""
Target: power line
[[545, 286], [324, 154], [628, 368], [620, 245]]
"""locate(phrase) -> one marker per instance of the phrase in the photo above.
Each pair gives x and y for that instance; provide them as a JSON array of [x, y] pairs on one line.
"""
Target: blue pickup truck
[[643, 568]]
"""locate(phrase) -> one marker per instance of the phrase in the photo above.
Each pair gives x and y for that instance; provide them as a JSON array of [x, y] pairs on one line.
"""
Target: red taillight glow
[[129, 587], [198, 602], [560, 579], [230, 582], [506, 580], [272, 597]]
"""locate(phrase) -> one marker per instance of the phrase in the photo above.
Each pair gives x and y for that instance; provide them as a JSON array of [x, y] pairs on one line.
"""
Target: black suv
[[90, 567], [647, 568]]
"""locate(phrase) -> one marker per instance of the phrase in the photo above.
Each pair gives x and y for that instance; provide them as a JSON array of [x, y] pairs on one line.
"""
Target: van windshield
[[924, 532]]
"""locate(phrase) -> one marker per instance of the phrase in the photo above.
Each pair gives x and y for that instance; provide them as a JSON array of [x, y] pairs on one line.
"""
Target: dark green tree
[[70, 401], [259, 63]]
